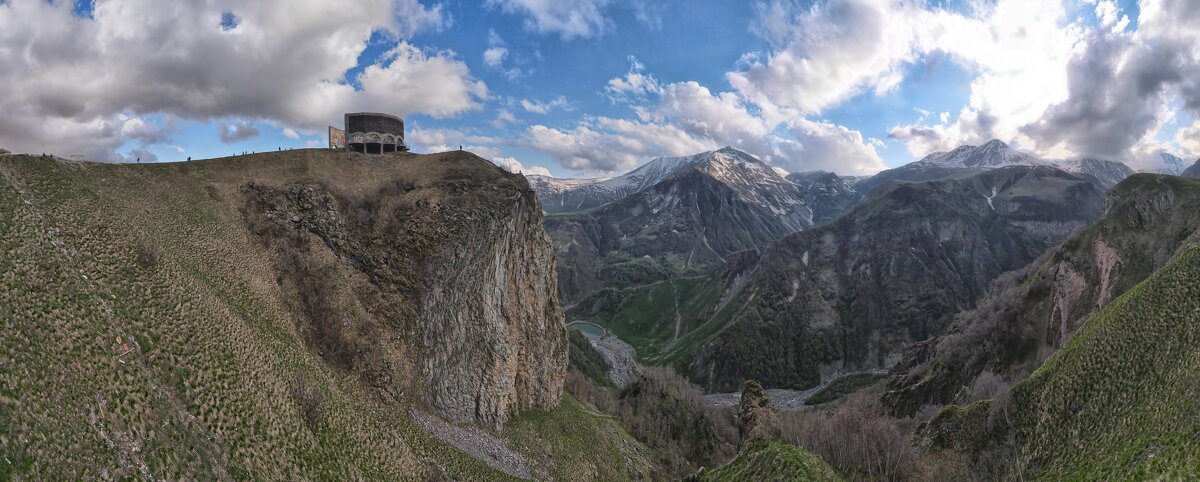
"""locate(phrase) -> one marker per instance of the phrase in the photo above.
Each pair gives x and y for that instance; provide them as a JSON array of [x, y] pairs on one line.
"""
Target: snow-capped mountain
[[992, 154], [1171, 164], [569, 195], [706, 207], [959, 162], [1108, 173], [968, 160]]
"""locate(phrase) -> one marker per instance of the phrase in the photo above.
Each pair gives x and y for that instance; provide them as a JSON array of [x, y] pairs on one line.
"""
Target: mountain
[[827, 194], [572, 195], [717, 203], [1032, 313], [1171, 164], [849, 295], [1194, 171], [992, 154], [962, 161], [293, 315], [1124, 387], [1107, 173]]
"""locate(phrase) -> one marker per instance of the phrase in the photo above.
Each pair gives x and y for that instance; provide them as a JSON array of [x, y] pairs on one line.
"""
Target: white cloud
[[539, 107], [721, 117], [1188, 140], [820, 145], [827, 53], [494, 57], [283, 62], [290, 133], [687, 118], [567, 18], [420, 138], [606, 145], [511, 164], [634, 85], [835, 50]]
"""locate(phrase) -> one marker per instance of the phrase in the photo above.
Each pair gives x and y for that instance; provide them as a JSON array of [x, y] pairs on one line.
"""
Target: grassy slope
[[646, 317], [1122, 399], [772, 461], [579, 444], [214, 355]]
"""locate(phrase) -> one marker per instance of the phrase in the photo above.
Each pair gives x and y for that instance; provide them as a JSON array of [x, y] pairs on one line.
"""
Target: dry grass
[[191, 369]]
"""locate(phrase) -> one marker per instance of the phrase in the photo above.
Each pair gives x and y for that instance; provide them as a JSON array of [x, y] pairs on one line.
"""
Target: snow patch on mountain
[[1107, 172], [992, 154], [1171, 164]]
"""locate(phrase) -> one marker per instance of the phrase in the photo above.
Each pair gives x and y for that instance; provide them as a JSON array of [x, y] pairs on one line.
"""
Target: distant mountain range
[[828, 194], [698, 211], [716, 263]]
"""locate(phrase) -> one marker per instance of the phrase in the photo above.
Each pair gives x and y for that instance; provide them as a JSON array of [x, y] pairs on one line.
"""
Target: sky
[[582, 88]]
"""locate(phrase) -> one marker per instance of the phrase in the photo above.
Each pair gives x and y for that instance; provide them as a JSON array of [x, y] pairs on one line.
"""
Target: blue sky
[[596, 87]]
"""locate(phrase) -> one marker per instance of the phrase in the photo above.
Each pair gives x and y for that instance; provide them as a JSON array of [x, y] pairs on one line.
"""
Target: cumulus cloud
[[282, 61], [1121, 85], [970, 127], [422, 139], [567, 18], [511, 164], [1188, 140], [607, 145], [635, 85], [239, 131], [1064, 85], [826, 146], [826, 53], [722, 117], [687, 118], [290, 133]]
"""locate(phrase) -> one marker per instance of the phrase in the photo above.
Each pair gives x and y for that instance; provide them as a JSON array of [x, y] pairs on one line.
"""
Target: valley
[[1007, 257], [600, 240]]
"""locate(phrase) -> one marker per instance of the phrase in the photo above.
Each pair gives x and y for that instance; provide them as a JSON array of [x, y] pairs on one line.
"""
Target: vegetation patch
[[770, 460], [842, 386]]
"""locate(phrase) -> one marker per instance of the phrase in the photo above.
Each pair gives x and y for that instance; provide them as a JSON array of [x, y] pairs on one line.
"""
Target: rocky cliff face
[[851, 294], [1030, 314], [440, 287]]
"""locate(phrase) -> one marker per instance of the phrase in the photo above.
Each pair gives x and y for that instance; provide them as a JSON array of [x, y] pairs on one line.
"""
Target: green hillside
[[148, 334], [1030, 313], [664, 321], [770, 460], [1122, 399]]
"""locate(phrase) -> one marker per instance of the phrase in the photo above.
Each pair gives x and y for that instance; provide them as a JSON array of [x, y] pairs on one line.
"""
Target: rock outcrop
[[441, 287], [755, 412]]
